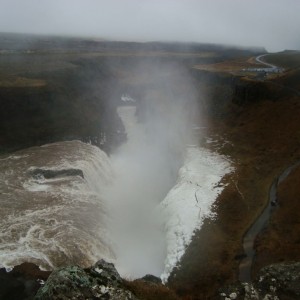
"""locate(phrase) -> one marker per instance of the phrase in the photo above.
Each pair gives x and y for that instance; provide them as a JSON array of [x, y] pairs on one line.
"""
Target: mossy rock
[[101, 281]]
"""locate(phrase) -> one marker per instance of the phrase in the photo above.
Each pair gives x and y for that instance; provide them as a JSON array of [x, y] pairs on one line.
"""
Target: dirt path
[[245, 267], [259, 224], [259, 60]]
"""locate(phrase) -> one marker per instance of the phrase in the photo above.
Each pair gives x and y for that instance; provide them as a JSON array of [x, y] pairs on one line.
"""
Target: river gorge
[[136, 207]]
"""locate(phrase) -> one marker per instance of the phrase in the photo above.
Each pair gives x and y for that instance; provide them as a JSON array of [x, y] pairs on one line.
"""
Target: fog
[[272, 24], [146, 168]]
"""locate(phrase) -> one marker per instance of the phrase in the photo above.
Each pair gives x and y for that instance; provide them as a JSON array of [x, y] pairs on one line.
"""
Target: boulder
[[101, 281], [151, 278]]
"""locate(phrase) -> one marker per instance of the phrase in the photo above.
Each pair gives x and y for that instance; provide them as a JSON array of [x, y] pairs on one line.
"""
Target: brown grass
[[16, 82], [232, 66], [286, 59], [281, 240], [264, 139], [150, 291]]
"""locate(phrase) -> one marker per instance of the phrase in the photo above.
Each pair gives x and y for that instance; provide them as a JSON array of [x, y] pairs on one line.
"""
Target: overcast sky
[[274, 24]]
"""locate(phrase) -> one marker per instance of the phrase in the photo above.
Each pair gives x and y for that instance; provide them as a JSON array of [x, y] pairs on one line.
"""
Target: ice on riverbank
[[191, 201]]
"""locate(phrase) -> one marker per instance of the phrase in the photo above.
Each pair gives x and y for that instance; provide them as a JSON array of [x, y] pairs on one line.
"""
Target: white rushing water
[[56, 221], [131, 208], [140, 184]]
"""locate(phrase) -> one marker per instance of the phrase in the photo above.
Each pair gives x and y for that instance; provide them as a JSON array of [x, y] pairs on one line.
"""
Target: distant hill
[[21, 42]]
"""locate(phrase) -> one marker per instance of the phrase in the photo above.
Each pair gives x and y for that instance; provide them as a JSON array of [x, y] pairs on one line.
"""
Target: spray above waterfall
[[157, 175], [146, 168]]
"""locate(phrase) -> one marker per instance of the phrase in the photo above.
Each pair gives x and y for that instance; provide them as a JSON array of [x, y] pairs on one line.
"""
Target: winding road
[[259, 60]]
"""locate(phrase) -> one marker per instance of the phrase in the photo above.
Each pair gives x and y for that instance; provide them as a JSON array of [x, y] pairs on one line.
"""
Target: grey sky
[[274, 24]]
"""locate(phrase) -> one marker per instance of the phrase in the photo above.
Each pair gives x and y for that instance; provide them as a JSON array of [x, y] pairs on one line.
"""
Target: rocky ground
[[102, 281], [278, 281]]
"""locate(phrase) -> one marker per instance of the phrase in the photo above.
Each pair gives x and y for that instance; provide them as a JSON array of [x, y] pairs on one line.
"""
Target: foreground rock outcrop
[[274, 282], [101, 281]]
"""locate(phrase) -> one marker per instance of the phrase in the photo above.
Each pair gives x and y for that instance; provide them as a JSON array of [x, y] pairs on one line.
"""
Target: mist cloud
[[269, 23]]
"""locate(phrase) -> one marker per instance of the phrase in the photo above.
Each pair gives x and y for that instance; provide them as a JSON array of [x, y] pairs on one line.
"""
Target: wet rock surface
[[274, 282], [151, 278], [101, 281], [49, 174], [22, 282]]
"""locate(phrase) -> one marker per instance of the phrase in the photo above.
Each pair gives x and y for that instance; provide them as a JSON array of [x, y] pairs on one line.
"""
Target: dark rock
[[152, 278], [277, 281], [11, 287], [240, 256], [48, 174], [101, 281], [22, 282], [284, 278], [66, 283], [106, 273], [30, 270]]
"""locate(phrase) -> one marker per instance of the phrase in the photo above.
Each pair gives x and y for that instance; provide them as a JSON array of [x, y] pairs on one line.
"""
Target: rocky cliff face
[[101, 281], [40, 105], [251, 91]]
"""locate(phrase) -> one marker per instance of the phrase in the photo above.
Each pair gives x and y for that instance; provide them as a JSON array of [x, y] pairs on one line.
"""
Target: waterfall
[[154, 213], [141, 182], [69, 203], [59, 220]]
